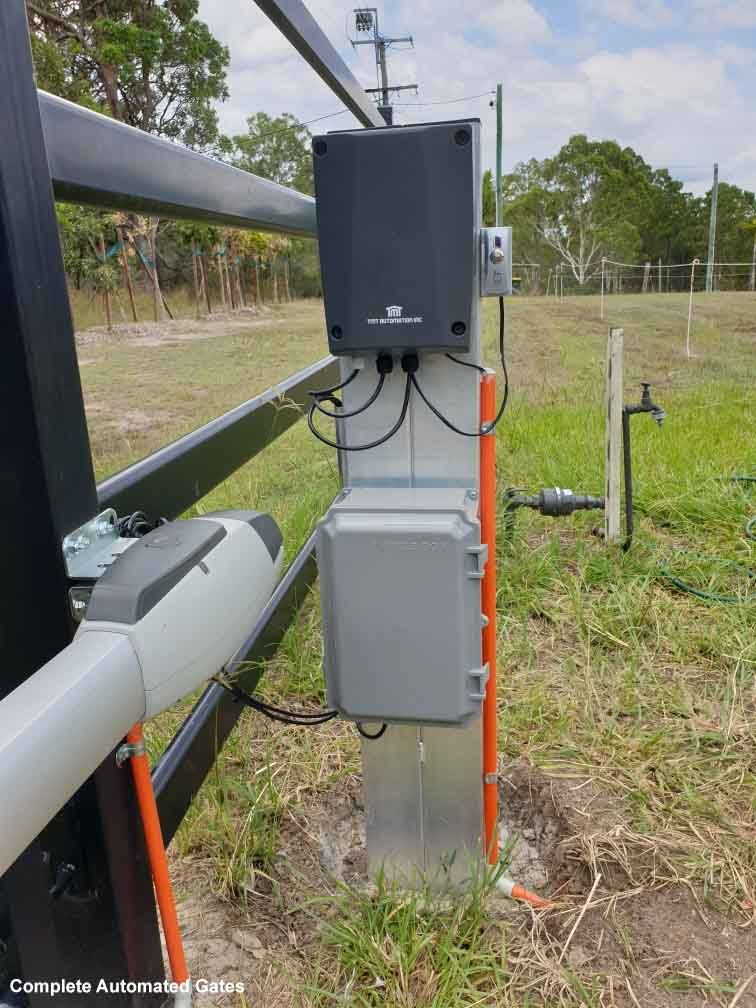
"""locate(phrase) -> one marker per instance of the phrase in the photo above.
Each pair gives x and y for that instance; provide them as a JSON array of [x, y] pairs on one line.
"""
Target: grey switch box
[[397, 235], [400, 576], [495, 261]]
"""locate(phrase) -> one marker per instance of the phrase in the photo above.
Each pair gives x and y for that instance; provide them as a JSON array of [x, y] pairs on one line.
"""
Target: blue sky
[[674, 79]]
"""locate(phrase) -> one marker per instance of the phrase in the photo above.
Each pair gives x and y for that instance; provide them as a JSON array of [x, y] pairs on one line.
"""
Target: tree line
[[156, 66], [595, 199]]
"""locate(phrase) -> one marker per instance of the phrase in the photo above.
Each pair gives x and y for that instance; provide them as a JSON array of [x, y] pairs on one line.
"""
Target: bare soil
[[655, 947]]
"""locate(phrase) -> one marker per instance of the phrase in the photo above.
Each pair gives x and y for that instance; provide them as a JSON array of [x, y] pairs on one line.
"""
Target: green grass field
[[627, 708]]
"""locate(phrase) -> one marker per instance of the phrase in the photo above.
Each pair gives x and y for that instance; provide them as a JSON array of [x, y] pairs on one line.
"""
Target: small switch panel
[[495, 261]]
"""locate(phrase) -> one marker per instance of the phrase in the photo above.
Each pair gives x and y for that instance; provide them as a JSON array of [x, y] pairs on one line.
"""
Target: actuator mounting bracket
[[93, 546], [88, 551]]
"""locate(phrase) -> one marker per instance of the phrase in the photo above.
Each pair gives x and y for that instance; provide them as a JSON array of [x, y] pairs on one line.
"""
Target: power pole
[[498, 153], [366, 20], [712, 231]]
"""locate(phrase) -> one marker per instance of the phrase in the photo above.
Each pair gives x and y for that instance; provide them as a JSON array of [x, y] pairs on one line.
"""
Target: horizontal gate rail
[[194, 748], [176, 476], [295, 22], [105, 163]]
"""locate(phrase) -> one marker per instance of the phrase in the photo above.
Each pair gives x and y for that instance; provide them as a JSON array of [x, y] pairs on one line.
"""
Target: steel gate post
[[103, 924]]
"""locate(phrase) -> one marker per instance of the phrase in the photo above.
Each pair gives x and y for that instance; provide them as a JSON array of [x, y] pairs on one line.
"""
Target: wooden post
[[105, 291], [287, 285], [127, 273], [258, 288], [205, 271], [613, 457], [274, 277], [220, 276], [157, 295], [690, 304], [195, 275], [239, 267], [603, 281], [646, 276], [227, 271], [660, 276]]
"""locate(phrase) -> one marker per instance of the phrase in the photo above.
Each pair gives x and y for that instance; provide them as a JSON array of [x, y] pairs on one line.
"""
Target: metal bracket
[[89, 549], [490, 778], [128, 749]]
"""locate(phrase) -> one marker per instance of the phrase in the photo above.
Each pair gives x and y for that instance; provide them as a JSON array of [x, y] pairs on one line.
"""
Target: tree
[[488, 199], [583, 202], [275, 148], [151, 64]]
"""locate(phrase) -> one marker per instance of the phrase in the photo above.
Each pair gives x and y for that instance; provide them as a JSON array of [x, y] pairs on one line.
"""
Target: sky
[[673, 79]]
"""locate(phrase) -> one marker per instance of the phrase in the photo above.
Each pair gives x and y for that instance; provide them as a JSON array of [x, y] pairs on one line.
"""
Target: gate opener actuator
[[172, 610]]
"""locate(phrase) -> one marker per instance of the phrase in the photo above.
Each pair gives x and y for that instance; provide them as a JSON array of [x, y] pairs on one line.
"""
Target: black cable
[[488, 427], [136, 525], [300, 719], [464, 363], [372, 444], [326, 393], [367, 735], [360, 409]]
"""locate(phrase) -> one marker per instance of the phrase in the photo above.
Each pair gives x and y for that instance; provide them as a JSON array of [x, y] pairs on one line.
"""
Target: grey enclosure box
[[400, 573], [495, 261], [398, 236]]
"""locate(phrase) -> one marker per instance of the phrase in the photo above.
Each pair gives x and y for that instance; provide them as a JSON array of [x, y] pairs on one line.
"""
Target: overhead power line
[[445, 101], [298, 125]]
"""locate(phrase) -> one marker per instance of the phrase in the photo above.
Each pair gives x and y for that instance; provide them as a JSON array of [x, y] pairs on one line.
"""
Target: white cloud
[[682, 103], [636, 13]]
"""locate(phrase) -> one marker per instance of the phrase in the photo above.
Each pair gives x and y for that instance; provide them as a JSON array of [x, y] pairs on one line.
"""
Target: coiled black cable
[[355, 412], [372, 444], [326, 393]]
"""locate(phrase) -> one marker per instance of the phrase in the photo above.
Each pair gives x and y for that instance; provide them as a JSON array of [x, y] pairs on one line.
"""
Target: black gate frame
[[105, 925]]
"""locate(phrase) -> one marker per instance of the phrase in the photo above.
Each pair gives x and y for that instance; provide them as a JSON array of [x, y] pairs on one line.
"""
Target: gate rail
[[104, 925]]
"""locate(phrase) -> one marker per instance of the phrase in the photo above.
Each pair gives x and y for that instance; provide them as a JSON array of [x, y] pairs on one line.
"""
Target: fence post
[[105, 291], [195, 275], [109, 928], [126, 271], [690, 304], [646, 276], [603, 278], [660, 275], [613, 458]]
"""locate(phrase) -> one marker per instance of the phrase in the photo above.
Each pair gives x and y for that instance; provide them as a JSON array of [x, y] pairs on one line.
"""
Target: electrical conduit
[[488, 606], [153, 836]]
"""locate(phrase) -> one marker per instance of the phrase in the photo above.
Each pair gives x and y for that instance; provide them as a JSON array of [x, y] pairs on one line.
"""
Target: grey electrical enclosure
[[495, 261], [400, 573], [398, 235]]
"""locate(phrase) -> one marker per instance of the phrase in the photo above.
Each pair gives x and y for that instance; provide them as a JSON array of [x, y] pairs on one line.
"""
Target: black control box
[[398, 232]]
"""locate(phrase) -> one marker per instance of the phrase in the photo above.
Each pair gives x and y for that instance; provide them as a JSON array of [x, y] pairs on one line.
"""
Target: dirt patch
[[640, 946], [156, 334]]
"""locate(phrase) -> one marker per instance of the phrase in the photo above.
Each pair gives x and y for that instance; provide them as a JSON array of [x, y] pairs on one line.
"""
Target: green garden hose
[[750, 532]]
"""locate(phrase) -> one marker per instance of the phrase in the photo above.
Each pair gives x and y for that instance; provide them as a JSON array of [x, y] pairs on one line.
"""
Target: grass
[[608, 673]]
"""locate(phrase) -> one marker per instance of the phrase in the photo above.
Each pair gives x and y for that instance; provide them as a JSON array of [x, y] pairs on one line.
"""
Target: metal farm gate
[[50, 148]]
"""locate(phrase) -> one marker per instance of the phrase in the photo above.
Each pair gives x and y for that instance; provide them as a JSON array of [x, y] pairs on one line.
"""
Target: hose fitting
[[554, 502]]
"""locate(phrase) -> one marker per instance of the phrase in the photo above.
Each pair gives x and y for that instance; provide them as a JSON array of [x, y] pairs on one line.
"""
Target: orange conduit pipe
[[153, 835], [488, 605]]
